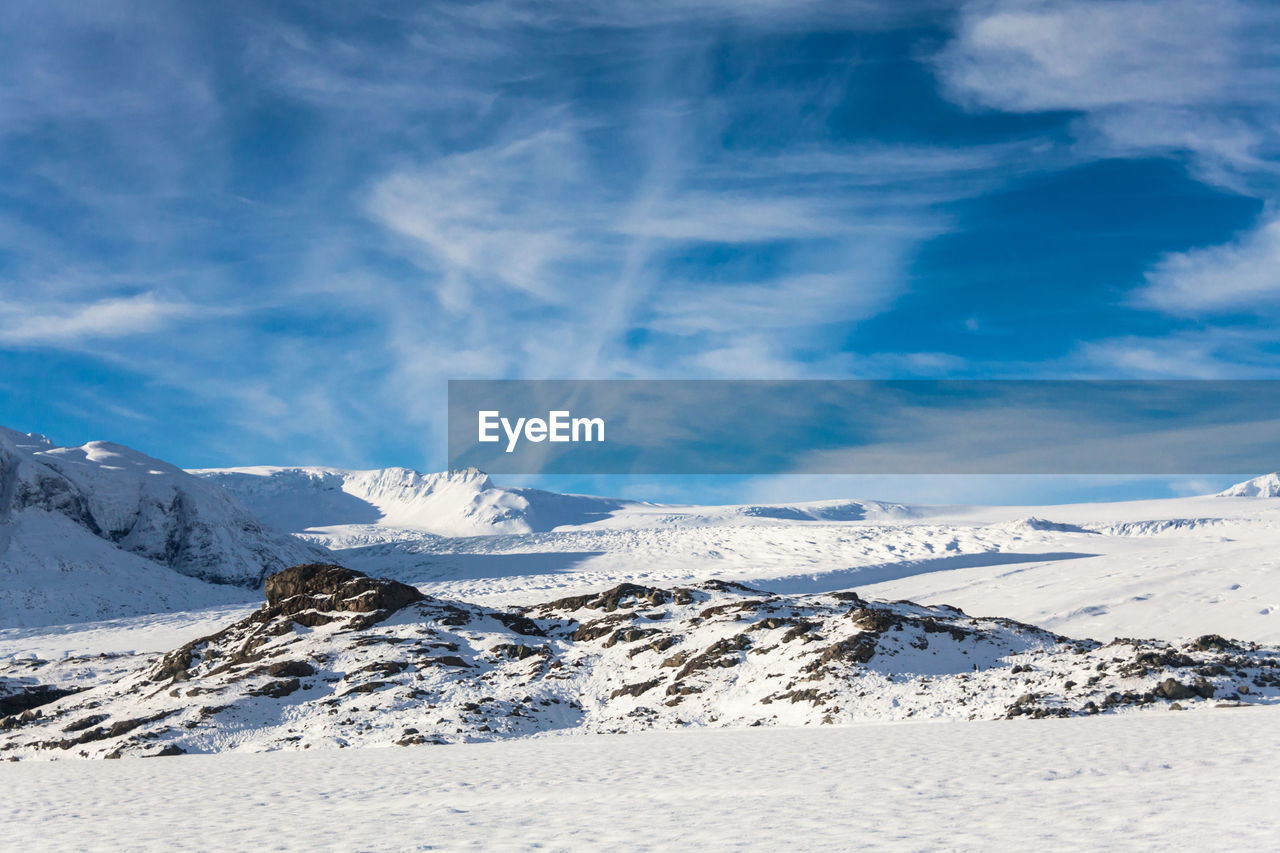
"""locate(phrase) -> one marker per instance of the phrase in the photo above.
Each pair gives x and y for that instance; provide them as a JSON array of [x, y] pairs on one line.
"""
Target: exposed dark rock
[[327, 587], [277, 689], [84, 723], [31, 697], [798, 630], [598, 628], [661, 644], [875, 620], [448, 660], [635, 689], [856, 649], [722, 653], [808, 695], [123, 727], [519, 651], [1213, 642], [629, 635], [385, 667], [291, 669], [520, 624], [622, 595]]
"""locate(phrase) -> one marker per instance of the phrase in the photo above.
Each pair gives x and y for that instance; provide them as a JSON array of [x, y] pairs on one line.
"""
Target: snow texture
[[1136, 782]]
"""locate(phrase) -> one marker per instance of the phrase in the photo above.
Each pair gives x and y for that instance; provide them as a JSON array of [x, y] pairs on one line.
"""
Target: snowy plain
[[1137, 782]]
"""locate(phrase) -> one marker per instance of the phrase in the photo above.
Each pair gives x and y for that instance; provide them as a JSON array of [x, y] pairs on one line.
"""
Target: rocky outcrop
[[337, 658], [329, 587]]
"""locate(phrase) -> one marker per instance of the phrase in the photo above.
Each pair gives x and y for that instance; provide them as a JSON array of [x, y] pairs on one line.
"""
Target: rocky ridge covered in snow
[[336, 658]]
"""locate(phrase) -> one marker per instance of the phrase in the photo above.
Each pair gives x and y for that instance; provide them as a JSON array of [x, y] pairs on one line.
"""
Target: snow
[[1266, 486], [832, 761], [151, 633], [352, 661], [1172, 568], [102, 531], [451, 503], [55, 571], [1141, 782]]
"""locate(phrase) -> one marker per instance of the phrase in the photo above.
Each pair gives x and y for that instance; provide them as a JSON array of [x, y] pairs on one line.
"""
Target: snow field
[[1136, 782]]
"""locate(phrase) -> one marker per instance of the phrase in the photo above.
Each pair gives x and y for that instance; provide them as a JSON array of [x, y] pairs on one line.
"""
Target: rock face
[[335, 588], [337, 658]]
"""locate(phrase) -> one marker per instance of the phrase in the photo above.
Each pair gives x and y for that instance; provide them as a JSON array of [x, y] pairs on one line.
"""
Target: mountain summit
[[1266, 486]]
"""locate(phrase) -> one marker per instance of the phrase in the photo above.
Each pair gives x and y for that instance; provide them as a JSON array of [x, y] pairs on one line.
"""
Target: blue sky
[[250, 233]]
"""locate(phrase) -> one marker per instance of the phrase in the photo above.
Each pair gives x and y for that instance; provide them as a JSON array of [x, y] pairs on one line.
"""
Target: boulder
[[328, 587], [1172, 688]]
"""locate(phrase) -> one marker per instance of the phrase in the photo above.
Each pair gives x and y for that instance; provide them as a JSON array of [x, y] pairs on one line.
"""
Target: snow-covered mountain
[[1266, 486], [102, 531], [453, 503]]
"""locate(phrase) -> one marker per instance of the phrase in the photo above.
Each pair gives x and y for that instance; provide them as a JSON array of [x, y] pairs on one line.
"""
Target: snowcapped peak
[[1266, 486], [112, 456], [1044, 526], [28, 441], [470, 475]]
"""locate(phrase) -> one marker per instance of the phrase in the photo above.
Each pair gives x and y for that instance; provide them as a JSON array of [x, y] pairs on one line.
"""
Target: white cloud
[[1034, 55], [1210, 353], [23, 324], [1240, 276], [1196, 79], [1196, 76]]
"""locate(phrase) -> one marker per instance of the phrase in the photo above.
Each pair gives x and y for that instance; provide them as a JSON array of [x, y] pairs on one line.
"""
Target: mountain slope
[[452, 503], [1266, 486], [103, 531]]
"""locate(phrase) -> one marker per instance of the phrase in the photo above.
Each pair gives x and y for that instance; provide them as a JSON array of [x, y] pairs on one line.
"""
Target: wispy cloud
[[294, 222], [1187, 79], [24, 324], [1239, 276], [1190, 77]]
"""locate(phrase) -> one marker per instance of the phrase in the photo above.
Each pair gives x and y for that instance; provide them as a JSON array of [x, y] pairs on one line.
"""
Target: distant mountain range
[[453, 503], [103, 531]]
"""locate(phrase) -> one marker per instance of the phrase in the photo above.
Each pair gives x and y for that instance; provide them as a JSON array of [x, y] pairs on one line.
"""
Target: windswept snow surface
[[464, 665], [1138, 782]]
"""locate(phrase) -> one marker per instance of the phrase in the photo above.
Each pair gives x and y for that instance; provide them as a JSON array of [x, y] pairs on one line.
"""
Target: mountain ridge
[[102, 530]]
